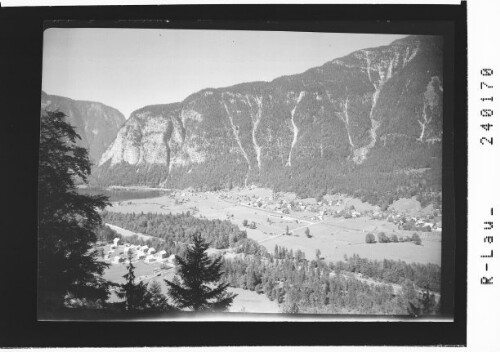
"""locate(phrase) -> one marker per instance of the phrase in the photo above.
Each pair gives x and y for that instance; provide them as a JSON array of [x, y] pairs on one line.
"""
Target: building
[[162, 254], [150, 258], [151, 250], [171, 260], [117, 259], [140, 256]]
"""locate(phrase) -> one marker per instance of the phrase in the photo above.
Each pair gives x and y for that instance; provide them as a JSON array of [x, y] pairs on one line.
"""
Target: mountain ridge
[[95, 122], [363, 105]]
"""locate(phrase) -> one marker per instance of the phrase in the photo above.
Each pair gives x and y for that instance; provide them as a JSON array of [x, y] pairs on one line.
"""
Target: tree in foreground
[[199, 287], [68, 265], [135, 294], [157, 300], [140, 297]]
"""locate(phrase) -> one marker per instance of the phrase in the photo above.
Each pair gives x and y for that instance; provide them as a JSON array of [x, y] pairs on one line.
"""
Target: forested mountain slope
[[367, 123]]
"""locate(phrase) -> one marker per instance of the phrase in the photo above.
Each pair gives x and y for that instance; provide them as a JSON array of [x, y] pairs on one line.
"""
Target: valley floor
[[335, 237]]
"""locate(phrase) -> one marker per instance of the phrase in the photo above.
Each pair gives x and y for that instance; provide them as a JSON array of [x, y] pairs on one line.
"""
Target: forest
[[414, 170], [177, 228], [303, 286], [422, 275], [298, 284]]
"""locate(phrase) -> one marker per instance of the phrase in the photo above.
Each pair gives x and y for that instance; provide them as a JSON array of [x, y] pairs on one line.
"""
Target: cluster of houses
[[319, 209], [285, 206], [348, 213], [119, 254], [429, 223]]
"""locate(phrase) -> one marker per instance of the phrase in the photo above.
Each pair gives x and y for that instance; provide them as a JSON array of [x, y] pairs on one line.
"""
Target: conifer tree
[[308, 232], [199, 287], [68, 264], [158, 301], [290, 306], [136, 295]]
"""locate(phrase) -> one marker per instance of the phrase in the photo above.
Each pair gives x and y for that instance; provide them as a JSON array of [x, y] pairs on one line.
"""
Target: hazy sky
[[130, 68]]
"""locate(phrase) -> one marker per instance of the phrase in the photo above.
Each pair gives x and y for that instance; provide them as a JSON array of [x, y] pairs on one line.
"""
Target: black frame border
[[21, 55]]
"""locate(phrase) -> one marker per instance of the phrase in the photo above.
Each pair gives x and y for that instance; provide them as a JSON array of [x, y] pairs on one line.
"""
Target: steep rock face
[[343, 113], [96, 123]]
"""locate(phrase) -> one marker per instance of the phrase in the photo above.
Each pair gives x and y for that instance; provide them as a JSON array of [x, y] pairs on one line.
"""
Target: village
[[151, 266], [410, 219], [149, 262], [336, 224], [331, 228], [120, 253]]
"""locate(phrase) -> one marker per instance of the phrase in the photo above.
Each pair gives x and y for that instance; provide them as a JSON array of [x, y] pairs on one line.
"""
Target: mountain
[[96, 123], [369, 122]]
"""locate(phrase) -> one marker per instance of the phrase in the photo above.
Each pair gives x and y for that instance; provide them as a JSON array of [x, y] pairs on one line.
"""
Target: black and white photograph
[[270, 172], [277, 175]]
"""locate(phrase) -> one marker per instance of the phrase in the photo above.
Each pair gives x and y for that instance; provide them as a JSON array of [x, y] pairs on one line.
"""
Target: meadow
[[333, 236]]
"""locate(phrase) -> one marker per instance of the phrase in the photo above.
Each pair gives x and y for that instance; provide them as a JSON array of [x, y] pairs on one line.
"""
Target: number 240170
[[486, 112]]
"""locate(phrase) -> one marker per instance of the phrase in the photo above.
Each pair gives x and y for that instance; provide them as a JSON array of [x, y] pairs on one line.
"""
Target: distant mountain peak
[[96, 123]]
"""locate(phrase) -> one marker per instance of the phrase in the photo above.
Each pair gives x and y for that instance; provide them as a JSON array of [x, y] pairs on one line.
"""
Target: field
[[252, 302], [126, 233], [333, 236]]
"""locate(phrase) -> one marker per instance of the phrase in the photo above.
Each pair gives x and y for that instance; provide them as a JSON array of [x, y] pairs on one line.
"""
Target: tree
[[199, 287], [428, 302], [416, 239], [308, 232], [136, 296], [318, 254], [370, 238], [382, 237], [68, 265], [394, 238], [158, 301], [252, 279], [290, 305]]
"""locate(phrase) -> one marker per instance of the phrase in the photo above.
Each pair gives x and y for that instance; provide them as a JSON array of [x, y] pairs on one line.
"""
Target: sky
[[131, 68]]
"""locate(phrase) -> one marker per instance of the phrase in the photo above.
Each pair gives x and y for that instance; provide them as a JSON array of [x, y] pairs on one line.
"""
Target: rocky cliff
[[96, 123], [377, 110]]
